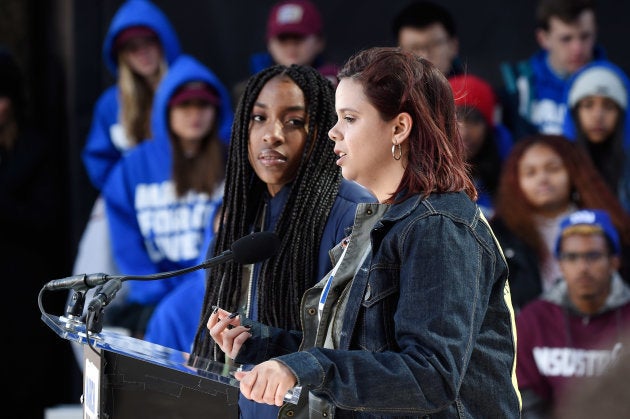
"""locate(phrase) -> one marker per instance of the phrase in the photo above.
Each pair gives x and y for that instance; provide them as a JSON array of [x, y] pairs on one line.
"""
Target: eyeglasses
[[429, 47], [590, 257]]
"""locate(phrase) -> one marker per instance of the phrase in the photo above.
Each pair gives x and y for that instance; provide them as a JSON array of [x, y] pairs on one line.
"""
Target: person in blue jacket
[[160, 197], [533, 89], [138, 49], [139, 46], [294, 35], [414, 320], [281, 176], [174, 321], [598, 120]]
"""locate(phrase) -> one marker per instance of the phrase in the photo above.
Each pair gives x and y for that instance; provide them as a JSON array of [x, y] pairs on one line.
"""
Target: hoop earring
[[399, 149]]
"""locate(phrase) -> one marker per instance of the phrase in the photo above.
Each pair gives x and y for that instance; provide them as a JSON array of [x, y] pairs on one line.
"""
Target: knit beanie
[[472, 91], [589, 217], [598, 81]]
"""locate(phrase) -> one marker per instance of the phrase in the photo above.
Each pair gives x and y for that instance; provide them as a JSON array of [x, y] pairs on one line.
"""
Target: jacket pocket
[[376, 319]]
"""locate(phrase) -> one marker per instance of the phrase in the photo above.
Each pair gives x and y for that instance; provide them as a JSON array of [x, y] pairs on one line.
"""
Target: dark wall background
[[224, 33], [58, 43]]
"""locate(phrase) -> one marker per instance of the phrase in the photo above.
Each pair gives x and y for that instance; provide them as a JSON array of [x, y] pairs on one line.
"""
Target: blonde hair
[[582, 230], [136, 100]]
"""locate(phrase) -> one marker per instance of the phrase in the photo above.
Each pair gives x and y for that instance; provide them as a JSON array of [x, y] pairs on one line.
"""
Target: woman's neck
[[554, 211]]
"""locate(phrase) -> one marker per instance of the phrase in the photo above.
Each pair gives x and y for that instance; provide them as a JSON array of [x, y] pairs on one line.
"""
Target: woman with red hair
[[544, 178]]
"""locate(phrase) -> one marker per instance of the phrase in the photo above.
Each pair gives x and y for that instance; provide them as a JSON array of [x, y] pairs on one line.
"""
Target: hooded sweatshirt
[[106, 141], [152, 229], [559, 347], [539, 93], [598, 151]]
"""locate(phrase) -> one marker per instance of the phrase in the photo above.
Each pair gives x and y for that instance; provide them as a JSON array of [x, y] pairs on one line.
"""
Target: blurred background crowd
[[54, 67]]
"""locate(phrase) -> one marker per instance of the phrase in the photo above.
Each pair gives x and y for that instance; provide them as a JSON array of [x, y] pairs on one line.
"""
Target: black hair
[[283, 278], [486, 164], [422, 14], [566, 10], [608, 156]]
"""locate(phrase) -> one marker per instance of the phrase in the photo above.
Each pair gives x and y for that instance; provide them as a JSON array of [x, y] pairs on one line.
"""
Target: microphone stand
[[249, 249], [94, 320], [103, 296], [74, 309]]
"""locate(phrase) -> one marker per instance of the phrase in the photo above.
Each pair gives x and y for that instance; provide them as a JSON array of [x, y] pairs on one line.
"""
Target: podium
[[125, 377]]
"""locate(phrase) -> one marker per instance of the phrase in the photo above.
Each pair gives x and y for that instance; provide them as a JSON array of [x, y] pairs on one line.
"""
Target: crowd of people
[[462, 249]]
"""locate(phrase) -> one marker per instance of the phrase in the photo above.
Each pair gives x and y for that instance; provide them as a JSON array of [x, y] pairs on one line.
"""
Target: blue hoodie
[[174, 322], [153, 230], [540, 93], [569, 128], [548, 107], [103, 147]]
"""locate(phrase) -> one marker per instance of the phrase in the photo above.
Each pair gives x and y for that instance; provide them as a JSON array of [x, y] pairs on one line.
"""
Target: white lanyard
[[322, 298]]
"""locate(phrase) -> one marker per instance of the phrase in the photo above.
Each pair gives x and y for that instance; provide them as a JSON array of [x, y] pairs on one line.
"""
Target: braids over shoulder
[[286, 276]]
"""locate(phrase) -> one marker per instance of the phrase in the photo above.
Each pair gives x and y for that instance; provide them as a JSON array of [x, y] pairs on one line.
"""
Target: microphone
[[79, 282], [105, 294], [253, 248]]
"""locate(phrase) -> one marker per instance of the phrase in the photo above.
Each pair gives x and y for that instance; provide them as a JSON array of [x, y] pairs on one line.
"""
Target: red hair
[[588, 190], [396, 81]]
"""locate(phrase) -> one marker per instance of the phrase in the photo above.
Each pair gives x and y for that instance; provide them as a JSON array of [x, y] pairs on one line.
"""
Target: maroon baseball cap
[[132, 32], [195, 91], [294, 17]]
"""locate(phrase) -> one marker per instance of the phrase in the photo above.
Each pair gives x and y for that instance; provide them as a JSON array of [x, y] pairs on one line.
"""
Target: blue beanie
[[592, 217]]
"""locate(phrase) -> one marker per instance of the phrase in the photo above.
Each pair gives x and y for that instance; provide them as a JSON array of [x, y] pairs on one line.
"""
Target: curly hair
[[283, 278], [588, 189]]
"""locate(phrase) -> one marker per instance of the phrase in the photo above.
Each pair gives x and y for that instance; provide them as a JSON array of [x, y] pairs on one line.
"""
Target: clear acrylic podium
[[124, 377]]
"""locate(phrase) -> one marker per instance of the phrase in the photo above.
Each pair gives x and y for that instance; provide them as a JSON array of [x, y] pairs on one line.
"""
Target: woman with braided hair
[[281, 176], [413, 321]]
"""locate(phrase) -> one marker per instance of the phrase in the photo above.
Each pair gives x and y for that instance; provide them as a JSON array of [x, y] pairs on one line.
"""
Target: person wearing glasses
[[543, 179], [572, 333], [428, 29]]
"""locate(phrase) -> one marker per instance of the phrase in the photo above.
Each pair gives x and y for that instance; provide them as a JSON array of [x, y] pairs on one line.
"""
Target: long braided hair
[[285, 277]]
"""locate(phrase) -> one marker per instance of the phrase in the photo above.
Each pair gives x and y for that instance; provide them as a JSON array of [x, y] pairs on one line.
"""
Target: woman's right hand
[[226, 330]]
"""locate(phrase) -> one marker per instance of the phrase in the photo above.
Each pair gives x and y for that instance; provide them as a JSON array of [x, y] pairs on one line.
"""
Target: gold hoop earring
[[397, 147]]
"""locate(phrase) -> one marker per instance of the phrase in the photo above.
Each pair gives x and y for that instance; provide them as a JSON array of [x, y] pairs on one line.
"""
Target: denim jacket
[[424, 327]]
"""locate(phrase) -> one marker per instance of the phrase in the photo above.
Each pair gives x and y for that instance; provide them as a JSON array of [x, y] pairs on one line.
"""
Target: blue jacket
[[622, 191], [102, 151], [423, 327], [174, 322], [152, 230], [535, 95]]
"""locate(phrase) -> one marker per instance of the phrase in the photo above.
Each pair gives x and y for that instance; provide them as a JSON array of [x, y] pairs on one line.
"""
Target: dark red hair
[[395, 81], [588, 190]]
